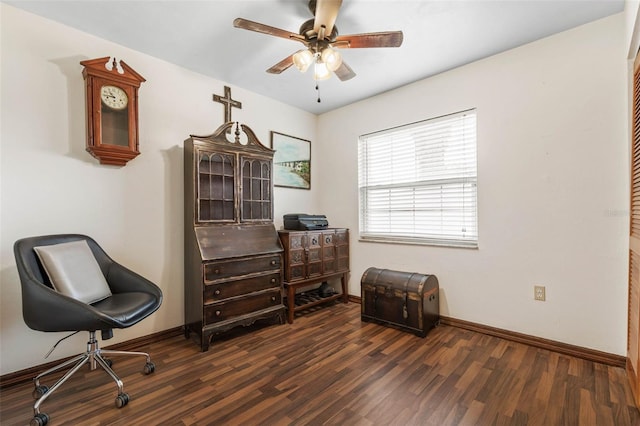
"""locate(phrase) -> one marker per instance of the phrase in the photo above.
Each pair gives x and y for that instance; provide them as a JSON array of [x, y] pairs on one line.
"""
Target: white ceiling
[[438, 36]]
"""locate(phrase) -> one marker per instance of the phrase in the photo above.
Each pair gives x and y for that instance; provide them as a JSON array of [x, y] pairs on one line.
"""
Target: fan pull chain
[[318, 89]]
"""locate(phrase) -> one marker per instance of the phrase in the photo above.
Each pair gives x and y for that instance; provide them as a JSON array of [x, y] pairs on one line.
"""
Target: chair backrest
[[29, 264]]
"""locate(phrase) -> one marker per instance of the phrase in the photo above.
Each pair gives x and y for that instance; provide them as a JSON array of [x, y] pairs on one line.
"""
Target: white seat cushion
[[74, 271]]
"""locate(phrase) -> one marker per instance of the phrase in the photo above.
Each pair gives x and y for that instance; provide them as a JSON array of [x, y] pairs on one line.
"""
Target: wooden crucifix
[[227, 102]]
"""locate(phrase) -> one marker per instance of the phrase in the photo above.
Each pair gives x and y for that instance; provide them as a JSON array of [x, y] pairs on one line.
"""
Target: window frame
[[425, 183]]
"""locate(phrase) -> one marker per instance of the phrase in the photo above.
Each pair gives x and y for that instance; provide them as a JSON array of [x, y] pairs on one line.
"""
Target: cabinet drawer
[[314, 240], [218, 270], [328, 239], [221, 291], [241, 306]]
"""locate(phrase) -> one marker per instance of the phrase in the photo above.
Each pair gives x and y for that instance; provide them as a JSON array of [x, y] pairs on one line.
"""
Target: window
[[418, 182]]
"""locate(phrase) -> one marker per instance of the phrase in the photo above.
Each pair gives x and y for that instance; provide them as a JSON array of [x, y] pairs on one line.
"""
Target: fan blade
[[245, 24], [281, 66], [383, 39], [326, 14], [344, 72]]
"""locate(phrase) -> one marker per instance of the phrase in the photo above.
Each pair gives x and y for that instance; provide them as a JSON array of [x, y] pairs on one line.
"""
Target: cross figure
[[227, 102]]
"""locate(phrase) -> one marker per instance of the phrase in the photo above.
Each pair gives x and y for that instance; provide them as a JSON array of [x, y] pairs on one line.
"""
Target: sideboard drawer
[[230, 309], [314, 240], [224, 290], [214, 271]]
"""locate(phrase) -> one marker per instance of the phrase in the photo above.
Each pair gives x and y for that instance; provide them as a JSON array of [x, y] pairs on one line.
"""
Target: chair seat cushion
[[74, 271], [126, 309]]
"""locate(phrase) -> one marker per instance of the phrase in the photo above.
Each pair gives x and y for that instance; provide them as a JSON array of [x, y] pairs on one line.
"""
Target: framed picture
[[291, 162]]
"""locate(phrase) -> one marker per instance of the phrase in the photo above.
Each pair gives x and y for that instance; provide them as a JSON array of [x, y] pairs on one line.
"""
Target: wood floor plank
[[329, 368]]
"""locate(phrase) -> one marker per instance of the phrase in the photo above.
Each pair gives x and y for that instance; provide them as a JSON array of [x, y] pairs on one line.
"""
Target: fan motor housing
[[306, 30]]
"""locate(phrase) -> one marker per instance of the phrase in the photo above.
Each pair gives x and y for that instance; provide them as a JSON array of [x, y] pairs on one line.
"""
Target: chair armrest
[[124, 280], [72, 314]]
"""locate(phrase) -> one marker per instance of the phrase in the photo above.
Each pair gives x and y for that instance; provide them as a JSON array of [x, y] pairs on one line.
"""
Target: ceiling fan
[[320, 37]]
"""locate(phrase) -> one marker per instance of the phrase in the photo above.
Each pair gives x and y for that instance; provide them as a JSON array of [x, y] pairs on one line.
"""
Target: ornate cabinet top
[[219, 138]]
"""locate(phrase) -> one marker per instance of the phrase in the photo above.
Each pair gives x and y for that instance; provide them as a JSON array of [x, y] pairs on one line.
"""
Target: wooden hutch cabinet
[[233, 257], [312, 257]]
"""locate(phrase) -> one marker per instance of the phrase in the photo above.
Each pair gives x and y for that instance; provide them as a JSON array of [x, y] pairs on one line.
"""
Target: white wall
[[552, 186], [50, 184], [553, 171]]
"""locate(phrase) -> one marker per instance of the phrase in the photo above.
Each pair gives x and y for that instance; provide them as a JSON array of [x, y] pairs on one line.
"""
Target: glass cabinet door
[[216, 188], [256, 189]]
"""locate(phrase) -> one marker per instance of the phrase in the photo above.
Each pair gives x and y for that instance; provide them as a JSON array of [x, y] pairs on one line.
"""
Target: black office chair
[[129, 299]]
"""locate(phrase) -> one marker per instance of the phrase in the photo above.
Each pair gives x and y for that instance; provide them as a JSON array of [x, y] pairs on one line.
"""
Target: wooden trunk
[[403, 299]]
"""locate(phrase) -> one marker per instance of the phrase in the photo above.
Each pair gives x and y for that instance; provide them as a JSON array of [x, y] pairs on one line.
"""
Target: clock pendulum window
[[112, 110], [115, 117]]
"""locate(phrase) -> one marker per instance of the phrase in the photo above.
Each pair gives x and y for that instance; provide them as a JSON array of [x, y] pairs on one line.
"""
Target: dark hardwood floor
[[329, 368]]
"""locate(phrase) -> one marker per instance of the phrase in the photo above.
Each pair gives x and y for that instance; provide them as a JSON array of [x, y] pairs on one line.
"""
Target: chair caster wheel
[[40, 419], [108, 361], [122, 400], [149, 368], [39, 391]]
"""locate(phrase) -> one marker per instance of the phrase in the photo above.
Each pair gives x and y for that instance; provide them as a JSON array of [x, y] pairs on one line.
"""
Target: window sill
[[421, 242]]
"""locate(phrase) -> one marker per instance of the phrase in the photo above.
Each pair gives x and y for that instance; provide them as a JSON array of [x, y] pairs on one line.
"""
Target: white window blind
[[418, 182]]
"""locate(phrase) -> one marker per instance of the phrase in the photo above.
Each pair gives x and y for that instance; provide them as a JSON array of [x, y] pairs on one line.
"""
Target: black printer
[[305, 222]]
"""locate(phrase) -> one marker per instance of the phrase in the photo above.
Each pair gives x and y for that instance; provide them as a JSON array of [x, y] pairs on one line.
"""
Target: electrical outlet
[[539, 293]]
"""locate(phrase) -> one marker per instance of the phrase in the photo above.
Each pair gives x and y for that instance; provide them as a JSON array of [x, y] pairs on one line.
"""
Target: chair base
[[94, 358]]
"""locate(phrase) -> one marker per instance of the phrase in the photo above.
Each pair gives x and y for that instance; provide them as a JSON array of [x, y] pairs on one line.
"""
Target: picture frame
[[291, 161]]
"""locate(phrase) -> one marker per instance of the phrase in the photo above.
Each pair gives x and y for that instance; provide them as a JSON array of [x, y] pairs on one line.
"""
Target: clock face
[[114, 97]]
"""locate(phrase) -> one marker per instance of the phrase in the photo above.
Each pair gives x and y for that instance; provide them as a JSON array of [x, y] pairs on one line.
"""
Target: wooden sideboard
[[313, 257]]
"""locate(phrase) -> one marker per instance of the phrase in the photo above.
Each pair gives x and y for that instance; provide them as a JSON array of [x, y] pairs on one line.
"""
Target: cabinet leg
[[345, 293], [206, 341], [291, 303]]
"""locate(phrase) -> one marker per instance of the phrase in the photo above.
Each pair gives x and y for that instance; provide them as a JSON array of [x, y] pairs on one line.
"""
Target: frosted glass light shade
[[302, 59], [332, 58], [321, 72]]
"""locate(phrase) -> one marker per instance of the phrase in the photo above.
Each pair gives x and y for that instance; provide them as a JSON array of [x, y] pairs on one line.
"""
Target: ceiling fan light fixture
[[319, 35], [302, 59], [332, 58], [321, 72]]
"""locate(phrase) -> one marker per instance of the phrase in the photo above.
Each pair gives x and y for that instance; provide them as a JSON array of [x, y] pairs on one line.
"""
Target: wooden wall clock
[[112, 110]]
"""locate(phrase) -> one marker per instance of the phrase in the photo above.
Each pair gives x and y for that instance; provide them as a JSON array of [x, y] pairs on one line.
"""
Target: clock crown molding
[[98, 68]]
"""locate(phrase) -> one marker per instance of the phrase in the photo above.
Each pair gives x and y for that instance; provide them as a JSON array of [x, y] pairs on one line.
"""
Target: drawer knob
[[216, 271], [218, 313], [273, 280], [273, 298], [217, 292], [273, 262], [327, 240]]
